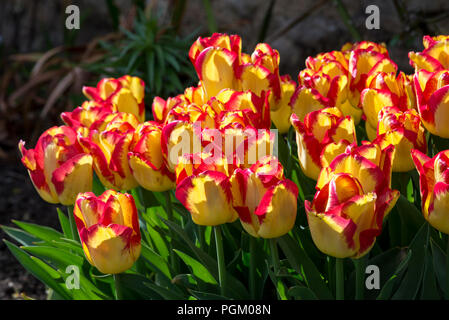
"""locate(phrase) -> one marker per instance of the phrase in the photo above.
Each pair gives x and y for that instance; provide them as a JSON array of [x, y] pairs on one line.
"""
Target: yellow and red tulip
[[88, 116], [205, 191], [58, 166], [404, 130], [353, 197], [434, 187], [146, 161], [109, 148], [434, 57], [125, 93], [264, 199], [280, 109], [383, 90], [432, 95], [108, 227], [322, 136]]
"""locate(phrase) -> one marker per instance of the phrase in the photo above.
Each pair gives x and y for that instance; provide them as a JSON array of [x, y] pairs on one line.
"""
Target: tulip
[[280, 115], [125, 93], [432, 93], [109, 148], [322, 136], [108, 227], [385, 89], [353, 197], [146, 160], [434, 188], [88, 116], [58, 166], [205, 191], [434, 57], [404, 130], [264, 199]]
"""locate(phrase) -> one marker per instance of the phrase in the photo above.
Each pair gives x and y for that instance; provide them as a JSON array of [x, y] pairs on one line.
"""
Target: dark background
[[43, 66]]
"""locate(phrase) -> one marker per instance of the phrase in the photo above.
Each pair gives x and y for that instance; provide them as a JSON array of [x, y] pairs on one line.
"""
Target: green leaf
[[196, 268], [299, 261], [155, 260], [24, 238], [65, 224], [41, 232], [234, 285], [135, 287], [46, 275], [164, 292], [158, 241], [429, 289], [439, 265], [412, 280], [61, 259], [301, 293], [206, 295]]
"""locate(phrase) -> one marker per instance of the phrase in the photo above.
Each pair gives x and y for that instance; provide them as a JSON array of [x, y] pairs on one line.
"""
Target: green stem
[[169, 210], [359, 278], [252, 267], [75, 235], [118, 287], [447, 269], [340, 281], [274, 255], [220, 260]]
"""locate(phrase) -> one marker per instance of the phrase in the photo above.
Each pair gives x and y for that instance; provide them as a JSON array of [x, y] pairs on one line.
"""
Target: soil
[[20, 201]]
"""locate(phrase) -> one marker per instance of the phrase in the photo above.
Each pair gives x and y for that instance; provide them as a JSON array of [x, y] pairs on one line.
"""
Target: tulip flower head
[[265, 201], [322, 136], [58, 166], [434, 187], [353, 197], [108, 227]]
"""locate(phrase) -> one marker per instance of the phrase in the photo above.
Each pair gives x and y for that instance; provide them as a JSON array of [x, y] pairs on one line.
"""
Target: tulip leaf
[[301, 293], [439, 265], [299, 261], [164, 292], [429, 289], [135, 286], [61, 259], [47, 275], [158, 241], [21, 236], [412, 280], [65, 224], [234, 285], [206, 295], [155, 260], [196, 268], [69, 244], [41, 232]]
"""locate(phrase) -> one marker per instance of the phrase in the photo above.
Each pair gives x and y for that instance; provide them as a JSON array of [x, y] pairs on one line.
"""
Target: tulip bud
[[109, 148], [146, 160], [125, 93], [264, 199], [353, 197], [58, 167], [404, 131], [322, 136], [108, 227]]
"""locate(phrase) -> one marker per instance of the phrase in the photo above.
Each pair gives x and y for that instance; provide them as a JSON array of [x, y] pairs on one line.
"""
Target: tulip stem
[[220, 259], [274, 256], [359, 277], [339, 277], [447, 268], [118, 287], [252, 267], [72, 224], [169, 210]]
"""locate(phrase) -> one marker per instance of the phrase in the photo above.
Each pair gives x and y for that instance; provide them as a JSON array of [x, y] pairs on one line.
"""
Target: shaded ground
[[19, 200]]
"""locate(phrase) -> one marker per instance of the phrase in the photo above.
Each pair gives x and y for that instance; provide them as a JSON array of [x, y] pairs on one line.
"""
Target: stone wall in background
[[37, 25]]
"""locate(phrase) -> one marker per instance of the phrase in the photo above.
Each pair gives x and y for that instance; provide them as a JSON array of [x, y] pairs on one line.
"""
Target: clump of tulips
[[197, 201]]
